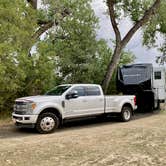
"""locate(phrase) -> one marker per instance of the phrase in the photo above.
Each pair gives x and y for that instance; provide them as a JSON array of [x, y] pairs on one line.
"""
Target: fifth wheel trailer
[[148, 83]]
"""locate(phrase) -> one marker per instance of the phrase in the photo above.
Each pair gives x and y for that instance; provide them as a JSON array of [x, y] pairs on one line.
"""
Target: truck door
[[74, 107], [90, 101], [94, 100]]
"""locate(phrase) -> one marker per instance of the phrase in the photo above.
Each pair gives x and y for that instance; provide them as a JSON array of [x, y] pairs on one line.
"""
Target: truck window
[[93, 91], [80, 90], [157, 75], [57, 91]]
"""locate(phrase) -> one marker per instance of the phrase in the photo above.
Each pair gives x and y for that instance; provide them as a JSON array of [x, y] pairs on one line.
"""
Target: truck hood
[[38, 99]]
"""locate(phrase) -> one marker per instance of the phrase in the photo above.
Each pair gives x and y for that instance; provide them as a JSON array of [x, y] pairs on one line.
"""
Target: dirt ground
[[140, 142]]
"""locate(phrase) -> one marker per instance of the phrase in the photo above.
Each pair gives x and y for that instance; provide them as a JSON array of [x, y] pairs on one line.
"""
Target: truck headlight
[[29, 107], [33, 106]]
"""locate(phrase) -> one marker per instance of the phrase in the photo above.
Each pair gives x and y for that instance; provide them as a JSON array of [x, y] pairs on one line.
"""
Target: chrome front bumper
[[24, 119]]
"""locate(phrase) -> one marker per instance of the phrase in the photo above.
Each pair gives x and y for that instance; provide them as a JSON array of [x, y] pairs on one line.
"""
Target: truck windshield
[[58, 91]]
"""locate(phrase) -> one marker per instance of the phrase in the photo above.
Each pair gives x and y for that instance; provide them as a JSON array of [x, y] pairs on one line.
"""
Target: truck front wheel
[[47, 123], [126, 113]]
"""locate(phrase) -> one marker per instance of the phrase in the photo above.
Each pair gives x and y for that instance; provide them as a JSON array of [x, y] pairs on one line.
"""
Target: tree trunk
[[33, 3], [111, 67]]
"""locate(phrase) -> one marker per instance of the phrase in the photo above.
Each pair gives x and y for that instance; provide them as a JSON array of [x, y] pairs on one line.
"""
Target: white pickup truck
[[69, 101]]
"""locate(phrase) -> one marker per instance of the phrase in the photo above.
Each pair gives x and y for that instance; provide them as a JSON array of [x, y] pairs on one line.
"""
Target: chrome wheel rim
[[126, 114], [47, 124]]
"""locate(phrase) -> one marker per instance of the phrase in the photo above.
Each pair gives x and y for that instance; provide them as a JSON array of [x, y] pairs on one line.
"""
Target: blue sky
[[143, 55]]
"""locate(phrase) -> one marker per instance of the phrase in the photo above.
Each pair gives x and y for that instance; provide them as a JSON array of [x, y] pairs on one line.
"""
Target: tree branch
[[110, 4], [45, 25], [147, 15], [33, 3], [43, 29]]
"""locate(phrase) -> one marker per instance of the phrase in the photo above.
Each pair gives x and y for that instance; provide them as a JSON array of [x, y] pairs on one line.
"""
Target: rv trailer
[[148, 83]]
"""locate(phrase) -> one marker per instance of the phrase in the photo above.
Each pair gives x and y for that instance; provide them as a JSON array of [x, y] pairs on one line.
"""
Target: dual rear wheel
[[126, 113]]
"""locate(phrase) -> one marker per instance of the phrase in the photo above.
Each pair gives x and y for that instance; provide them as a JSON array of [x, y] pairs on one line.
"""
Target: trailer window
[[157, 75], [135, 74]]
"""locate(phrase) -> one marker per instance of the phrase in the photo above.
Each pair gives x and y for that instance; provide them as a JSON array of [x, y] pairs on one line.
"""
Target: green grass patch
[[5, 115], [5, 118]]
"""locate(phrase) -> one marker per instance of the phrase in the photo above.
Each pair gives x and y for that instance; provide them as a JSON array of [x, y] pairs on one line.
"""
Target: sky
[[143, 55]]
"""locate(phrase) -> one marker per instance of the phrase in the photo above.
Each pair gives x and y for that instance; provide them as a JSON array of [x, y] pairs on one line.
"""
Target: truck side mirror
[[72, 95]]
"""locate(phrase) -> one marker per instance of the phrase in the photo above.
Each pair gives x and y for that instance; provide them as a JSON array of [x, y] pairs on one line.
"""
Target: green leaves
[[133, 9], [17, 23], [154, 32], [68, 52]]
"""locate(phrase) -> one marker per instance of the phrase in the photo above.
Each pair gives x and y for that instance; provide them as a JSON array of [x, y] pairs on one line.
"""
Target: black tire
[[47, 123], [126, 113]]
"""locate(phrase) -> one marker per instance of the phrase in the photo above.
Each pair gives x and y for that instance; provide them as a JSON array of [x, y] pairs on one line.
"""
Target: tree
[[17, 22], [155, 33], [79, 56], [48, 17], [68, 52], [140, 13]]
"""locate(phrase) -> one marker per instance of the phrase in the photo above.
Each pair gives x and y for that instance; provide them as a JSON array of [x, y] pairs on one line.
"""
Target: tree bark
[[33, 3], [121, 43], [111, 67]]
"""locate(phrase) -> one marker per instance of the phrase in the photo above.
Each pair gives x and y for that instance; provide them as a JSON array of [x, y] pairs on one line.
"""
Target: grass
[[5, 117]]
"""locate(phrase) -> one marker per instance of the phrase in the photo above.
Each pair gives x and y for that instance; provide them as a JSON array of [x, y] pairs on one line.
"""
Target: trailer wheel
[[47, 123], [126, 113]]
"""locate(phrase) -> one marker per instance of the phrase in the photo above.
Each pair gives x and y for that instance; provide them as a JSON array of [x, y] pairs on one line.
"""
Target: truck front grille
[[20, 103], [20, 112], [20, 107]]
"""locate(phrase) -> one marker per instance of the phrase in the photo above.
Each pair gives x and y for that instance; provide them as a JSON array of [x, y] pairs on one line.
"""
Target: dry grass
[[5, 121]]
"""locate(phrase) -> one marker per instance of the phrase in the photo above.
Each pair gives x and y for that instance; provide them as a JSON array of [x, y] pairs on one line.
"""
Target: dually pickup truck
[[69, 101]]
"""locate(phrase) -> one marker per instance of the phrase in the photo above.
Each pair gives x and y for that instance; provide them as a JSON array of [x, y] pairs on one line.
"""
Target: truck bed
[[114, 103]]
